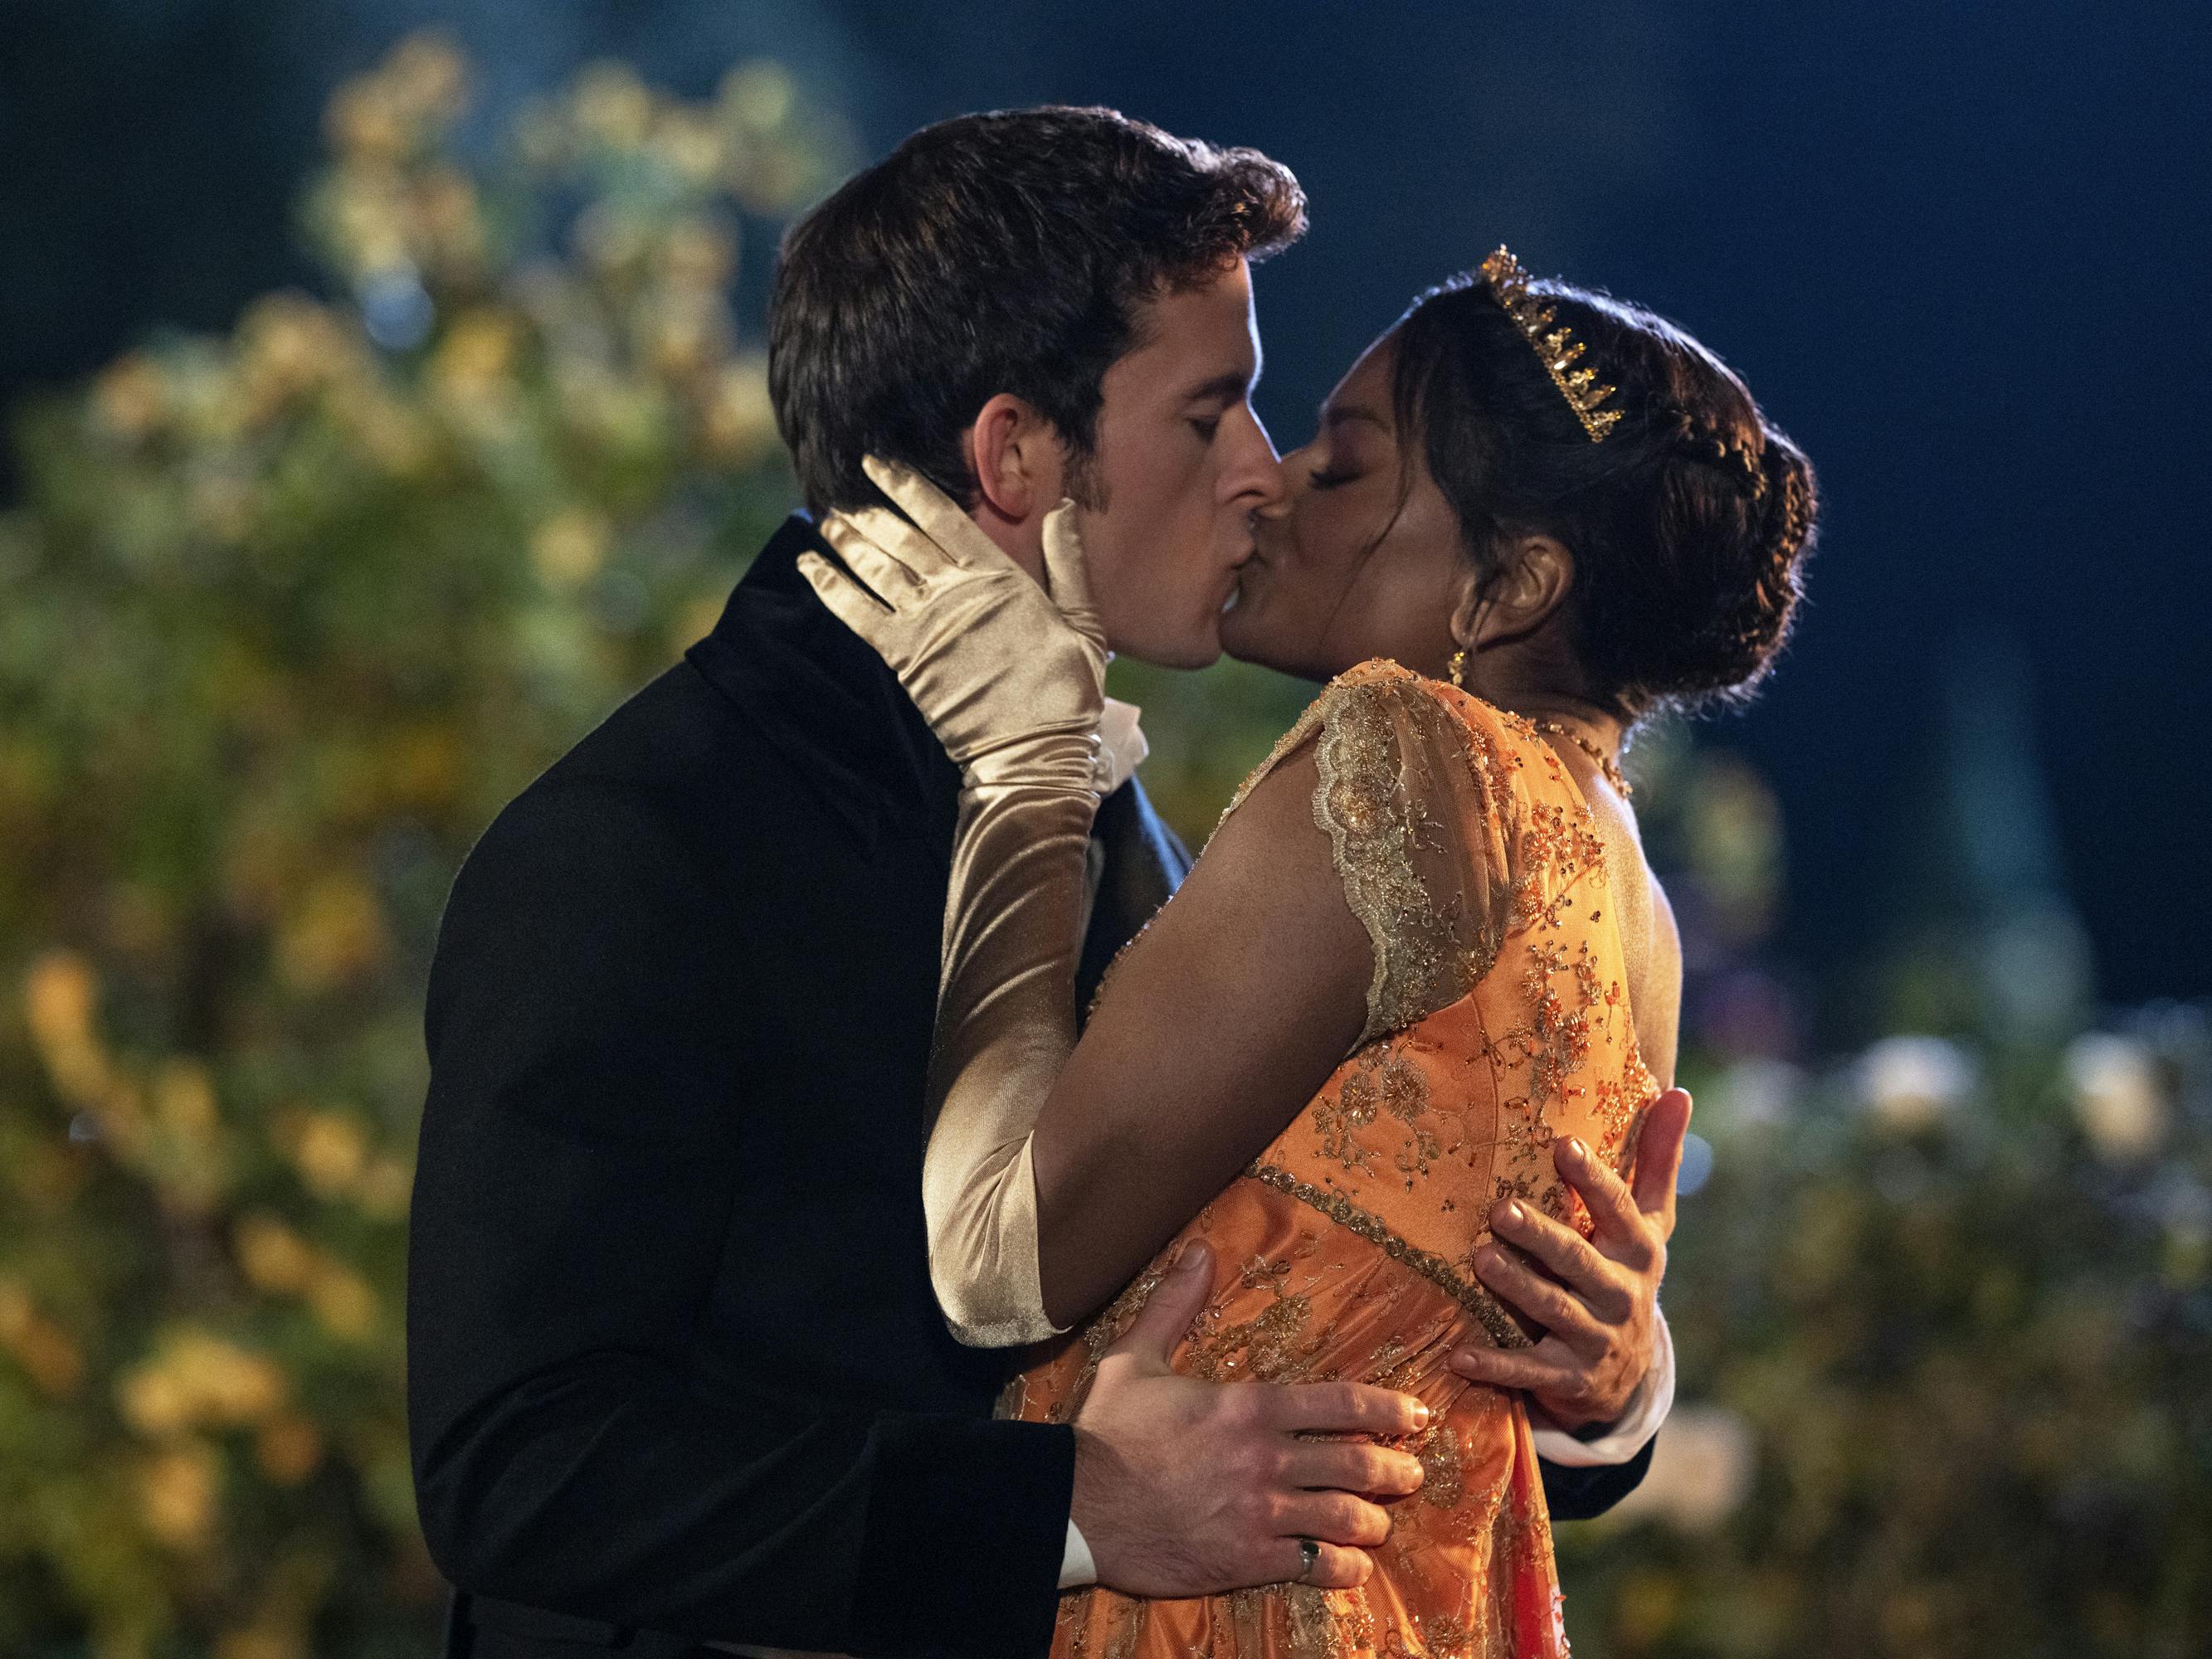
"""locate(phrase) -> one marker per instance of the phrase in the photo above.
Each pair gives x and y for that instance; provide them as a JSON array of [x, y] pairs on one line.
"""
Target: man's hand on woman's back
[[1191, 1488]]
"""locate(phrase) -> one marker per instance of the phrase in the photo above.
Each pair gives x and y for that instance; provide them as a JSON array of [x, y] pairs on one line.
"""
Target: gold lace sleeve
[[1410, 797]]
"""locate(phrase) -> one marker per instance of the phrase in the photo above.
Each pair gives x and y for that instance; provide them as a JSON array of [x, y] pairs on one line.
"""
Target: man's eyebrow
[[1230, 386]]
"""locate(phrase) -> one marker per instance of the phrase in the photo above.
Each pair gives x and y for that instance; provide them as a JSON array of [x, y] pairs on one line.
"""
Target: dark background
[[1954, 250]]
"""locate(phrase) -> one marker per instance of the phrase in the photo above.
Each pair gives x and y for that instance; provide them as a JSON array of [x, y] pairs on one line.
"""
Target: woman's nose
[[1291, 472]]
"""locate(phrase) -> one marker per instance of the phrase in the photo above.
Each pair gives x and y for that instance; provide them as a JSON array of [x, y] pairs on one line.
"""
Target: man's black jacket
[[676, 1371]]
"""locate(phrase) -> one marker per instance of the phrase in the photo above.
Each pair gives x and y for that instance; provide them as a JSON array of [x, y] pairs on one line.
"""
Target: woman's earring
[[1459, 669]]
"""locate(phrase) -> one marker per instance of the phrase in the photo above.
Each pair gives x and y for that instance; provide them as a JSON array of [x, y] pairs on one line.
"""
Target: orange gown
[[1498, 1020]]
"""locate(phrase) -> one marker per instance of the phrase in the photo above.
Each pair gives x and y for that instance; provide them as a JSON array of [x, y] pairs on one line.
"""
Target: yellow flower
[[60, 995], [195, 1378], [130, 398], [570, 548], [343, 1301], [289, 346], [44, 1349], [364, 122], [153, 1401], [386, 1186], [477, 356], [758, 95], [690, 145], [427, 76], [612, 104], [183, 1099], [234, 1386], [272, 1256], [289, 1449], [177, 1492], [329, 1149], [335, 933], [698, 255]]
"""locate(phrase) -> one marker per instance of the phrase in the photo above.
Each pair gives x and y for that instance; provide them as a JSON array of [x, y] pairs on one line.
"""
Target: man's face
[[1182, 463]]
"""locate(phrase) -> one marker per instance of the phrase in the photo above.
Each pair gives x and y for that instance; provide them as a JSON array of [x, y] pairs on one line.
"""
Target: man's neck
[[1021, 540]]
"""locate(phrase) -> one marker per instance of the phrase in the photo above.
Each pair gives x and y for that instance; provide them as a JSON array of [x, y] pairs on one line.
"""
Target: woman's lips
[[1237, 586]]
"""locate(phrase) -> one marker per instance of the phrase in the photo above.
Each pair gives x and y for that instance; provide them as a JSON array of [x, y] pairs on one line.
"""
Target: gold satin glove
[[1011, 677], [1012, 681]]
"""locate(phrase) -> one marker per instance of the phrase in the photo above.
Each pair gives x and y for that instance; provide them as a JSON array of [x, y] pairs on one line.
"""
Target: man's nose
[[1253, 479]]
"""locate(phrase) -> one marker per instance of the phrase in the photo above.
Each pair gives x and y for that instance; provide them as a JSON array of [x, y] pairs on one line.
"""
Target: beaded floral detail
[[1341, 1210], [1384, 746]]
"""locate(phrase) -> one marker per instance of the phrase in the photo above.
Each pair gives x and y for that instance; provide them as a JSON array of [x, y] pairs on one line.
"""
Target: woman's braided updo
[[1690, 523]]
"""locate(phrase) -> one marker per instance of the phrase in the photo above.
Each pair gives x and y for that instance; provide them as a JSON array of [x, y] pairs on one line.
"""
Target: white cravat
[[1121, 745]]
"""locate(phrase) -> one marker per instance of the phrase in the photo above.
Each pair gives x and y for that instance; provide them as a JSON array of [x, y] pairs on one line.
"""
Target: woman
[[1422, 947]]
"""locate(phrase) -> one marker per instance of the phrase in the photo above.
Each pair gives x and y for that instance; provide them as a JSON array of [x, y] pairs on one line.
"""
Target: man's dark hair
[[1006, 252]]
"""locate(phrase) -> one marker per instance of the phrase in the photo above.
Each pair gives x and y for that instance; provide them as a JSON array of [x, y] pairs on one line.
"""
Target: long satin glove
[[1012, 680]]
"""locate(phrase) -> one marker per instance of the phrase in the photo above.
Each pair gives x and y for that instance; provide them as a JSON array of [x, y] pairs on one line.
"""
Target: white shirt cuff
[[1076, 1569], [1639, 1419]]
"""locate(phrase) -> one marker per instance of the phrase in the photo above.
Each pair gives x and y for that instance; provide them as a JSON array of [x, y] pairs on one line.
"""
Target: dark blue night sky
[[1957, 250]]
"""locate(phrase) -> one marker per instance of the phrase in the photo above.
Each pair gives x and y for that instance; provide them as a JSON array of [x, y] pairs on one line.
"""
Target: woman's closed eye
[[1328, 478]]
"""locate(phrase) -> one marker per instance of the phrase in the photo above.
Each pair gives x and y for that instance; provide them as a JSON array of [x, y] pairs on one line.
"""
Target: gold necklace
[[1606, 763]]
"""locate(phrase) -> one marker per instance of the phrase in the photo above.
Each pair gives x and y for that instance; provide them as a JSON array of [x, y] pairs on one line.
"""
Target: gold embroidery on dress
[[1444, 1480], [1378, 726], [1318, 1630], [1272, 1346], [1446, 1638], [1369, 808], [1478, 1301]]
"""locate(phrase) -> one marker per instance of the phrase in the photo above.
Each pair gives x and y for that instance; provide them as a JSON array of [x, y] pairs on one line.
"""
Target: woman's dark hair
[[1006, 252], [1690, 523]]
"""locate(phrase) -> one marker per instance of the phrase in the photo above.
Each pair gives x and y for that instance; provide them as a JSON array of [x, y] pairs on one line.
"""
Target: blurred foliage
[[1942, 1308], [290, 614], [1947, 1317], [294, 611]]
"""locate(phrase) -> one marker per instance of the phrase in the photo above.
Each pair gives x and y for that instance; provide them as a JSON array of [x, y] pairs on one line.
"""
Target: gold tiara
[[1509, 286]]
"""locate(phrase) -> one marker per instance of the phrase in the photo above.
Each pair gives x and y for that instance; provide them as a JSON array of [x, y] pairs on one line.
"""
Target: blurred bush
[[290, 615], [1944, 1316]]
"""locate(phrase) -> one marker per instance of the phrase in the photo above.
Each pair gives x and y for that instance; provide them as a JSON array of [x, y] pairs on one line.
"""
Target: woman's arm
[[1220, 1022]]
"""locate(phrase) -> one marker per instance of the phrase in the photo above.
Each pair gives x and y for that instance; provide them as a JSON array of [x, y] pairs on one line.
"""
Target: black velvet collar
[[824, 697]]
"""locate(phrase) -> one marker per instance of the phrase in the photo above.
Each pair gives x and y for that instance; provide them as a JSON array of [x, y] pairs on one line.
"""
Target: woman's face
[[1343, 571]]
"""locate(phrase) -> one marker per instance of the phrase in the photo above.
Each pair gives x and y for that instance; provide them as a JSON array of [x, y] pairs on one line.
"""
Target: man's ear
[[1018, 461], [1523, 590]]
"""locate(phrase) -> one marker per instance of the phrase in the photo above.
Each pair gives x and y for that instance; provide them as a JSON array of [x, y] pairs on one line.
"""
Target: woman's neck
[[1542, 697]]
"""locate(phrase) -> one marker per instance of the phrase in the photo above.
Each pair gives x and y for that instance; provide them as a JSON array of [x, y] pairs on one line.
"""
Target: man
[[676, 1372]]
